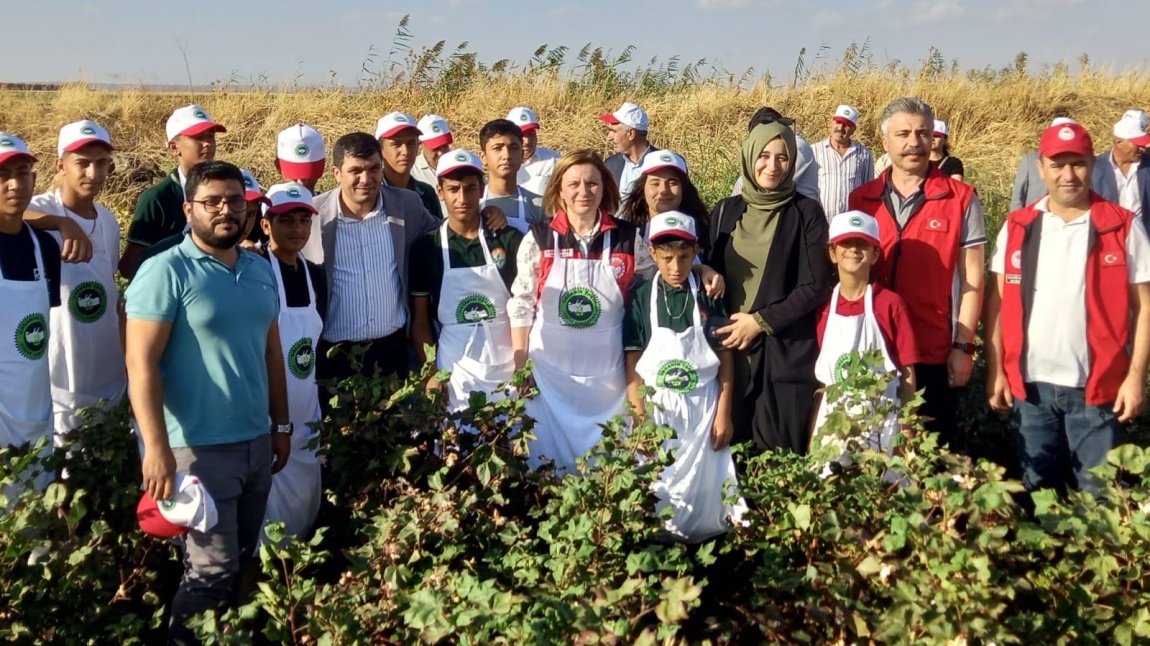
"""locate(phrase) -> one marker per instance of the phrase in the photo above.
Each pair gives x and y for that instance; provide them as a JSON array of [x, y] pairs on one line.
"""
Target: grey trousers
[[238, 478]]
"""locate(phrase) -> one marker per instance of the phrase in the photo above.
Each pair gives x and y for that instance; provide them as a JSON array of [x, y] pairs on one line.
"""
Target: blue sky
[[137, 41]]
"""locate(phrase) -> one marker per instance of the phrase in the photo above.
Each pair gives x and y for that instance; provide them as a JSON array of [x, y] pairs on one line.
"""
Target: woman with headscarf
[[770, 243]]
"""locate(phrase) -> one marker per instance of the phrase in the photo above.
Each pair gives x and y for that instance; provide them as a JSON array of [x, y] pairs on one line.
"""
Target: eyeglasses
[[214, 205]]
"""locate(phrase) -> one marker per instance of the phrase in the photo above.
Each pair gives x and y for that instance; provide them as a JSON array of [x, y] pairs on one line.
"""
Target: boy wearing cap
[[160, 209], [668, 348], [463, 273], [538, 162], [435, 139], [1068, 319], [254, 238], [1122, 175], [843, 164], [399, 139], [501, 149], [301, 155], [85, 353], [627, 136]]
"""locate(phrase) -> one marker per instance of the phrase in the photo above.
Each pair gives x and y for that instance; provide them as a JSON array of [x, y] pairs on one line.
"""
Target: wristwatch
[[286, 429], [968, 348]]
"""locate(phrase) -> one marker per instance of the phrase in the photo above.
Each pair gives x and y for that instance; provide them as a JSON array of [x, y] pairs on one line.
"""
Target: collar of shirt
[[189, 248], [1043, 206], [377, 211], [1118, 168], [893, 192], [627, 163], [852, 148]]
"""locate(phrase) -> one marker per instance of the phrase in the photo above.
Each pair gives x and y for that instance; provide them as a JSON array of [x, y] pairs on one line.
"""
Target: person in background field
[[933, 236], [940, 153], [806, 166], [461, 276], [296, 490], [627, 136], [435, 139], [254, 238], [501, 149], [770, 244], [85, 356], [301, 155], [881, 164], [1028, 184], [668, 350], [1122, 175], [843, 164], [538, 162], [1068, 319], [399, 140], [160, 209], [205, 373]]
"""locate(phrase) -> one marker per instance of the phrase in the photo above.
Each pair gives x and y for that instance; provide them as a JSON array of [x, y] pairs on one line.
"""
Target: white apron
[[475, 334], [296, 490], [844, 335], [86, 359], [576, 346], [682, 369], [519, 221]]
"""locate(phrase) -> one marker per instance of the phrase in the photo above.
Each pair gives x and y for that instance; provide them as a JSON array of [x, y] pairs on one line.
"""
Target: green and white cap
[[672, 225], [434, 131], [12, 147], [289, 196], [190, 120], [392, 124], [456, 159], [525, 118], [658, 159], [75, 136]]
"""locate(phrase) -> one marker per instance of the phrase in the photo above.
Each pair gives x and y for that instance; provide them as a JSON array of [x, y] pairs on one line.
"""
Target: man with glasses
[[1122, 175]]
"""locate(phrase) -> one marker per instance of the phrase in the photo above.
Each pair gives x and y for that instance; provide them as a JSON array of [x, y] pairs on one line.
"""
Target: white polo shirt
[[1128, 194], [536, 172]]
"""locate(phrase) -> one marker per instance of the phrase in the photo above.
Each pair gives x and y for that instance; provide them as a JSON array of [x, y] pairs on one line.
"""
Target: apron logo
[[302, 150], [677, 376], [499, 257], [847, 363], [32, 337], [88, 302], [1016, 259], [301, 359], [474, 309], [579, 308]]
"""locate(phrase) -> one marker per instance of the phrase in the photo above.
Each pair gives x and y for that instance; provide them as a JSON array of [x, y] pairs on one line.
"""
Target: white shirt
[[1056, 348], [536, 172], [365, 301], [422, 171], [630, 173], [1128, 195], [841, 174]]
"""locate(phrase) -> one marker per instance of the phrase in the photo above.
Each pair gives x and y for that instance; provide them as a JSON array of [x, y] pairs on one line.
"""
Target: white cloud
[[825, 19], [937, 11]]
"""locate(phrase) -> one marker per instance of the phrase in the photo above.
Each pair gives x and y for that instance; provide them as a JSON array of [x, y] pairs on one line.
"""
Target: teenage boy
[[461, 276], [692, 378], [862, 317], [399, 139], [254, 237], [538, 162], [501, 149], [300, 155], [435, 139]]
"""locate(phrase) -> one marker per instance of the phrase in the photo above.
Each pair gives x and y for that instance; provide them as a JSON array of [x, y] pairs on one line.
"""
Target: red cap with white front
[[630, 115], [845, 114], [854, 225], [457, 159], [301, 152], [1065, 138], [252, 191], [671, 225], [12, 146], [75, 136], [190, 508], [434, 131], [289, 196], [941, 129], [525, 118], [191, 120], [1132, 127], [658, 159], [392, 124]]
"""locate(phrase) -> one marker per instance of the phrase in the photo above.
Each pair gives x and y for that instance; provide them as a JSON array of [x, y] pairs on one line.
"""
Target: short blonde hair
[[552, 203]]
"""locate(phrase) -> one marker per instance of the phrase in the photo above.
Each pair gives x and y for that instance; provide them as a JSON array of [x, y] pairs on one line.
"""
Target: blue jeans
[[1060, 438]]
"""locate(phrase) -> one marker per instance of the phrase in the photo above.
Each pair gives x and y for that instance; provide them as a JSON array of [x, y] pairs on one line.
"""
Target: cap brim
[[201, 128], [437, 141], [153, 523], [1144, 140], [845, 121], [528, 127], [8, 156], [447, 171], [609, 118], [302, 170], [80, 143], [854, 235], [660, 166], [1069, 148], [287, 207], [940, 134], [673, 235], [388, 134], [254, 196]]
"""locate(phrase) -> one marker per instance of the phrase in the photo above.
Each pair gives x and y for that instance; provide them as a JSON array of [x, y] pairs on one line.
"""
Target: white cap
[[301, 152], [392, 123], [289, 196], [1139, 115], [854, 224], [846, 114], [1132, 126], [190, 508], [252, 190], [456, 159], [657, 159], [630, 115], [434, 131], [1062, 121], [190, 120], [525, 118], [941, 129], [672, 224], [75, 136], [13, 146]]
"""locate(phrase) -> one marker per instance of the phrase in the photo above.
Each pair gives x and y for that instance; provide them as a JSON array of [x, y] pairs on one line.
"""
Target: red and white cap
[[252, 190], [190, 508], [629, 114], [941, 129], [288, 196], [854, 225], [434, 131], [456, 159], [12, 146], [847, 115], [392, 124], [525, 118], [190, 120], [672, 224], [657, 159], [75, 136], [1065, 138], [301, 152], [1132, 126], [1061, 121]]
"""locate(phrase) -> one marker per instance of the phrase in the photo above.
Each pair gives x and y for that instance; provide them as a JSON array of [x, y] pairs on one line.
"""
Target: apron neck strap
[[693, 288], [282, 293], [444, 232]]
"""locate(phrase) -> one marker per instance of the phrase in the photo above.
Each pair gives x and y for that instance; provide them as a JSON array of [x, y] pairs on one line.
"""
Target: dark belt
[[397, 338]]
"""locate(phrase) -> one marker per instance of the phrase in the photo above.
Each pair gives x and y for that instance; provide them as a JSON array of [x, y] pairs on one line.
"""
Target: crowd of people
[[603, 276]]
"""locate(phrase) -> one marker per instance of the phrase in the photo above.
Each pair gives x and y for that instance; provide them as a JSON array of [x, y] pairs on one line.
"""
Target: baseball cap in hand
[[190, 120], [288, 196], [1065, 138], [190, 508], [456, 159], [671, 225], [12, 146], [629, 114], [434, 131], [75, 136], [657, 159], [525, 118], [854, 225], [392, 124], [301, 152], [1132, 126], [846, 114]]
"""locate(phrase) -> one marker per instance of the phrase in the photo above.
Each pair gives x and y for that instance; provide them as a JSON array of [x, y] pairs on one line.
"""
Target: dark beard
[[214, 241]]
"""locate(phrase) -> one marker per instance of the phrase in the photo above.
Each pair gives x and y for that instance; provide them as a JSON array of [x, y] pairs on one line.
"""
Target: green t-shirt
[[159, 212], [675, 314], [426, 264], [427, 195]]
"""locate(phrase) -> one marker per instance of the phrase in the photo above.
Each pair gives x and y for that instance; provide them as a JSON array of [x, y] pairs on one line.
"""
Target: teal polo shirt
[[215, 382]]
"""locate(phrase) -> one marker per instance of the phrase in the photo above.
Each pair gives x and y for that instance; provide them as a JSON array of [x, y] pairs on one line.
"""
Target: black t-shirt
[[18, 259], [295, 286], [951, 166]]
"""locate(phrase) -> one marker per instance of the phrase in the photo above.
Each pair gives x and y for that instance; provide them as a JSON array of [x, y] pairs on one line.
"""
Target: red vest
[[920, 262], [1107, 297]]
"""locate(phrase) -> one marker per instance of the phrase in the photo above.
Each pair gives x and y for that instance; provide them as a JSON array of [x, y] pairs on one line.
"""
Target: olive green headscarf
[[756, 197]]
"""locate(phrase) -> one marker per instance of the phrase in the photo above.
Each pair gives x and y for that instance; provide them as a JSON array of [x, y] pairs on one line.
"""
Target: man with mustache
[[206, 371], [844, 165], [933, 238], [1122, 174]]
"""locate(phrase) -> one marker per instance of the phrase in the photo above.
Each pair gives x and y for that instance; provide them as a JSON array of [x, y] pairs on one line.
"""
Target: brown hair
[[552, 203]]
